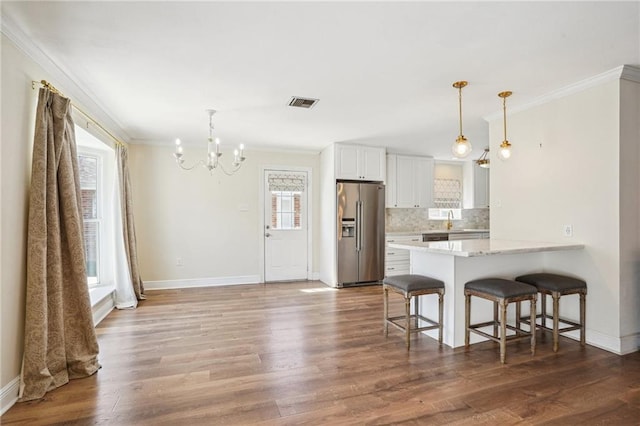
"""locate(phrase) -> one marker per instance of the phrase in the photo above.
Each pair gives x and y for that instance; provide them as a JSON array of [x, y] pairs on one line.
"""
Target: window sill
[[98, 294]]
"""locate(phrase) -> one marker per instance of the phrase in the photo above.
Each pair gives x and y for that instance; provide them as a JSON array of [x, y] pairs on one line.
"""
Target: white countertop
[[484, 247]]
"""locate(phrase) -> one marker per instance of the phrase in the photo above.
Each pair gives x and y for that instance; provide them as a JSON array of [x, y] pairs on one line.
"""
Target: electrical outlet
[[179, 261], [568, 230]]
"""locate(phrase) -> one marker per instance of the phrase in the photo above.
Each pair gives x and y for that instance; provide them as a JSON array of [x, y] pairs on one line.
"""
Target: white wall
[[629, 207], [328, 234], [566, 170], [18, 115], [201, 218]]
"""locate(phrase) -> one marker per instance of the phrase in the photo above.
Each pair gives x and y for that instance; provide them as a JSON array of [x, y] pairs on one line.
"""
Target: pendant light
[[483, 161], [461, 147], [504, 153]]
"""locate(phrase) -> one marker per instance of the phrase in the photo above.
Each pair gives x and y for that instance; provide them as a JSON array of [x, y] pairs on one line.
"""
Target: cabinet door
[[347, 162], [480, 187], [423, 171], [390, 187], [372, 163], [405, 182]]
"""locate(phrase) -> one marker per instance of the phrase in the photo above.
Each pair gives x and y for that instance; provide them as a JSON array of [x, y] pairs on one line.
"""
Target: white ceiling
[[382, 70]]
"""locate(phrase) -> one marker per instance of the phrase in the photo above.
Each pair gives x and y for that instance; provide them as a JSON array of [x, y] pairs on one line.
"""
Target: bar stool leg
[[556, 319], [407, 311], [467, 318], [440, 315], [583, 301], [543, 309], [385, 292], [503, 331], [416, 301], [533, 326], [518, 310], [495, 319]]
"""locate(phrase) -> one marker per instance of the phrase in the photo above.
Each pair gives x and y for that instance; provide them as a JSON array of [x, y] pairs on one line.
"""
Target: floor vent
[[303, 102]]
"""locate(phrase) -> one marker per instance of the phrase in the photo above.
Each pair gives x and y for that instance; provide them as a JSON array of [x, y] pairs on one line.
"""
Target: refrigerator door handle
[[359, 228]]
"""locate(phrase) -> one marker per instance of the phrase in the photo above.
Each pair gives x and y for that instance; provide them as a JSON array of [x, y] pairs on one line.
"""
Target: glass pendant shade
[[504, 153], [461, 147]]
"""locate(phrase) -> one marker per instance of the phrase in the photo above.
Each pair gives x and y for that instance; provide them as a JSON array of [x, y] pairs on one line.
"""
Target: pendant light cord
[[504, 114], [460, 107]]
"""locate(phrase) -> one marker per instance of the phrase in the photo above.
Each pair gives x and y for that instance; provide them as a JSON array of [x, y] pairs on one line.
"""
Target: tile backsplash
[[404, 220]]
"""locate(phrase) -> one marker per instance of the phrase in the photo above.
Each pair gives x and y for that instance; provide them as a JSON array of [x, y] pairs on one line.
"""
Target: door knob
[[267, 235]]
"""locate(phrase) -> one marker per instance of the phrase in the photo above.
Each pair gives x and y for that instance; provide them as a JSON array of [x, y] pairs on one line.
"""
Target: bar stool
[[408, 286], [501, 292], [557, 286]]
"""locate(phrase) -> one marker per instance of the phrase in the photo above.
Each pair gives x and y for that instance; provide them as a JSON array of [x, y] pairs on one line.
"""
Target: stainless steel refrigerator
[[360, 233]]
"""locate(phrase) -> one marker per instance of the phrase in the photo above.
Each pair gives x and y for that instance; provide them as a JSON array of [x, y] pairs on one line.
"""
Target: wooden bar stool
[[501, 292], [408, 286], [557, 286]]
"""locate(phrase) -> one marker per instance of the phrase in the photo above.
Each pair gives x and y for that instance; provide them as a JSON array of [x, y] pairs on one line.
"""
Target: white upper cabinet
[[357, 162], [409, 181]]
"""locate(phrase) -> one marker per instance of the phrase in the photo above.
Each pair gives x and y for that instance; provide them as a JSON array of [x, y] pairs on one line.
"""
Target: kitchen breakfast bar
[[457, 262]]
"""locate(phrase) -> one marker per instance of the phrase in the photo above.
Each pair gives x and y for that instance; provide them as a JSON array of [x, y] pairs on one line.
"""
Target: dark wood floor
[[301, 353]]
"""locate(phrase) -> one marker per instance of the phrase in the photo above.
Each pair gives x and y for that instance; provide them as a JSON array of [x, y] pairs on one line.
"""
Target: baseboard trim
[[617, 345], [9, 395], [201, 282], [629, 343], [101, 309], [101, 303]]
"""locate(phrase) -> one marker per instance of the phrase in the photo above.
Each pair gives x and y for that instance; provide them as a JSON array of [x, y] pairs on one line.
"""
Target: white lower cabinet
[[396, 261]]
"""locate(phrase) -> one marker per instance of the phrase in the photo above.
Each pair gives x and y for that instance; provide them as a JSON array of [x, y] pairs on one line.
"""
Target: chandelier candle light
[[213, 154], [461, 147], [504, 153]]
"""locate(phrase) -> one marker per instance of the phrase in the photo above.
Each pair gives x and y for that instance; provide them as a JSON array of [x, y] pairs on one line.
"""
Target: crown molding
[[61, 78], [623, 72], [630, 73]]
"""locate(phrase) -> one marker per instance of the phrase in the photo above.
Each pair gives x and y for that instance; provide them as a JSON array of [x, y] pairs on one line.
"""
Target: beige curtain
[[60, 341], [128, 229]]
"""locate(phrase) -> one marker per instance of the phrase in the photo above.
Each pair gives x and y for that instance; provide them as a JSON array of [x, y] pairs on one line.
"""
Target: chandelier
[[213, 153], [461, 147]]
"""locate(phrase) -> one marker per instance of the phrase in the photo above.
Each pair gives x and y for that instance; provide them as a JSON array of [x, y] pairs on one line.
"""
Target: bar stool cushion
[[412, 282], [553, 282], [502, 288]]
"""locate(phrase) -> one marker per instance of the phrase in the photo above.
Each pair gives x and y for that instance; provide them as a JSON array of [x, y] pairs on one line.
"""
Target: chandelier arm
[[183, 167], [235, 169]]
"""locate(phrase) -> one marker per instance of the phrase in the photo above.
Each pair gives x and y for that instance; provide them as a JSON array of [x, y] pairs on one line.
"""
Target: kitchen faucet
[[449, 217]]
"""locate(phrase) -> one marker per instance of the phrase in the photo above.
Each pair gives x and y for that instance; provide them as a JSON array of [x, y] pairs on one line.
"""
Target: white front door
[[285, 223]]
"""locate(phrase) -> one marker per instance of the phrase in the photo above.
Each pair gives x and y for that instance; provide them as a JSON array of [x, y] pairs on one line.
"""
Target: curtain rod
[[49, 86]]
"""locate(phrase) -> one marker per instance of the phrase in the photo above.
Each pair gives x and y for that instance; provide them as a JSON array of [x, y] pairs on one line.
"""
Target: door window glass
[[285, 210]]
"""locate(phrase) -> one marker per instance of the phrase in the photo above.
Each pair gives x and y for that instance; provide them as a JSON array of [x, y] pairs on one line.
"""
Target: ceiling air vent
[[303, 102]]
